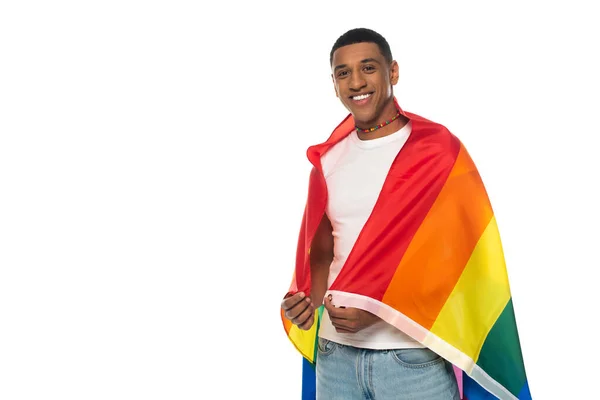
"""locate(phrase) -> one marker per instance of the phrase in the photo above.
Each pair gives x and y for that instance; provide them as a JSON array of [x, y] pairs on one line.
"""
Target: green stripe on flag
[[501, 356]]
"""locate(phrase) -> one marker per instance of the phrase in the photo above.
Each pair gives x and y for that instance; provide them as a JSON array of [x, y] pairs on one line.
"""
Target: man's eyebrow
[[366, 60], [340, 67]]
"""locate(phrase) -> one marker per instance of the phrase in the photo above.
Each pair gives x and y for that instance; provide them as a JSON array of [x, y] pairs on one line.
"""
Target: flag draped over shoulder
[[433, 260]]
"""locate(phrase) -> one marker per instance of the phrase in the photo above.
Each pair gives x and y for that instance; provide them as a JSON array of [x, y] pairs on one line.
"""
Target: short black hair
[[362, 35]]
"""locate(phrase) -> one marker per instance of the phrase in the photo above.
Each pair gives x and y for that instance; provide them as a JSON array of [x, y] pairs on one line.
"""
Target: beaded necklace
[[381, 125]]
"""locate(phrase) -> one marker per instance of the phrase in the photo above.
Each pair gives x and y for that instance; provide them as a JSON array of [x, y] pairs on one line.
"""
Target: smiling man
[[363, 75], [382, 300]]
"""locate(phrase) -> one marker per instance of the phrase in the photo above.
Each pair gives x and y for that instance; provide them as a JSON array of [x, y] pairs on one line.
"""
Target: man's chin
[[362, 121]]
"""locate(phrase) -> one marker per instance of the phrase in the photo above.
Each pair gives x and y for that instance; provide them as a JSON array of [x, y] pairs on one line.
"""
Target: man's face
[[363, 81]]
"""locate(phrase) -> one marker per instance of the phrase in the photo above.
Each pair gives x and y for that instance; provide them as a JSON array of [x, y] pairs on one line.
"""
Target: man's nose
[[357, 82]]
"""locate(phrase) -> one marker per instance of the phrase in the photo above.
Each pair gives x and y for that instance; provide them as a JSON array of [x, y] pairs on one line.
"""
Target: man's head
[[363, 73], [362, 35]]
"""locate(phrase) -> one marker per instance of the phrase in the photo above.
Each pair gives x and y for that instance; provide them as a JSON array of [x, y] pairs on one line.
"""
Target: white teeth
[[361, 97]]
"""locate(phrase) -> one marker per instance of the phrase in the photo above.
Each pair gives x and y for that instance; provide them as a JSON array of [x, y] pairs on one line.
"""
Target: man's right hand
[[299, 309]]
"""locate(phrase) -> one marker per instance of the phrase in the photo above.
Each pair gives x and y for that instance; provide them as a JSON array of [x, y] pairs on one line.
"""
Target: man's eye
[[341, 74], [369, 68]]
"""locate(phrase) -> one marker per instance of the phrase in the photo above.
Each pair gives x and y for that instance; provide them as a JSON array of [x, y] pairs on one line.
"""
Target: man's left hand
[[349, 319]]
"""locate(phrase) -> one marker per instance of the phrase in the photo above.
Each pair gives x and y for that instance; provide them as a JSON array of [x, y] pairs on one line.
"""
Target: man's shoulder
[[436, 136], [430, 129], [425, 123]]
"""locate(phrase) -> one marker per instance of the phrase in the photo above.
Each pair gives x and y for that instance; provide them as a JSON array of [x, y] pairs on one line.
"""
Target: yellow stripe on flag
[[305, 341], [478, 298]]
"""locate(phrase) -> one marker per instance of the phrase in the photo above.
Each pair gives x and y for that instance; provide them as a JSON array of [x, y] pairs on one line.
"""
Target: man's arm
[[321, 256], [298, 308]]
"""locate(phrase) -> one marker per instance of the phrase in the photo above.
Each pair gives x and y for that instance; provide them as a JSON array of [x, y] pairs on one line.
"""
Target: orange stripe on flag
[[436, 257]]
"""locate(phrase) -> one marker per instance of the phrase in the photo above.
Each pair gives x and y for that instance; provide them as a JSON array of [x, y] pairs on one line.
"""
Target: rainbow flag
[[432, 256]]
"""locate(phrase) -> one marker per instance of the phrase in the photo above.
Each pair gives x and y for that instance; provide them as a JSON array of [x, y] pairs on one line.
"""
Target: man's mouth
[[361, 97]]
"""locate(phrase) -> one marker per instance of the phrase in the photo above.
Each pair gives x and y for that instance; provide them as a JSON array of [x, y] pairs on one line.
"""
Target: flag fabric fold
[[433, 260]]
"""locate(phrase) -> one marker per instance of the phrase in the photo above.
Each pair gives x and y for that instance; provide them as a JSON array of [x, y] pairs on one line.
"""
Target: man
[[382, 248]]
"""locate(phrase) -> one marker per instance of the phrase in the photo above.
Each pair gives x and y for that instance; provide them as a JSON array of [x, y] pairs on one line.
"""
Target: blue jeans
[[349, 373]]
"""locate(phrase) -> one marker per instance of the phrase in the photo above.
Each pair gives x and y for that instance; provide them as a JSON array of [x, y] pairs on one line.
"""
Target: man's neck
[[394, 126]]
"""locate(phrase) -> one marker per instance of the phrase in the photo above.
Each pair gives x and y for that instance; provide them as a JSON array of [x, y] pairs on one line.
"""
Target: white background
[[153, 175]]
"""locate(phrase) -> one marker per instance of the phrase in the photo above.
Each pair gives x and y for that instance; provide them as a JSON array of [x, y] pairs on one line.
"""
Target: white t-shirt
[[355, 171]]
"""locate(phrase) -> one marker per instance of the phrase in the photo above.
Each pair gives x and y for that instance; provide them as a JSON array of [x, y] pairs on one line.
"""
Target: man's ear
[[394, 72], [334, 86]]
